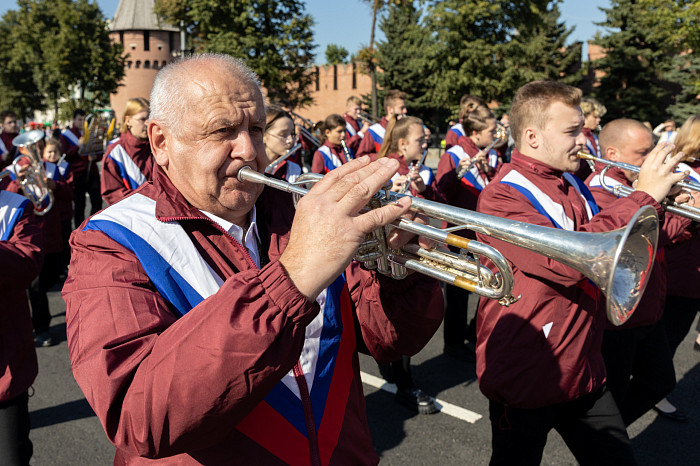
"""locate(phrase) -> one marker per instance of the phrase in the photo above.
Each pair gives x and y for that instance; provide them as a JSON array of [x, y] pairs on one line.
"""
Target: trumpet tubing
[[618, 262]]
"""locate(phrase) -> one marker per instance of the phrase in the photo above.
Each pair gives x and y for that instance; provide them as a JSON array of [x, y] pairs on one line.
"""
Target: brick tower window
[[138, 64], [147, 64], [146, 40]]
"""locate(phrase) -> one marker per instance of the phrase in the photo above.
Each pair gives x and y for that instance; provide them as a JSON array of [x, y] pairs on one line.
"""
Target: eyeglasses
[[288, 137]]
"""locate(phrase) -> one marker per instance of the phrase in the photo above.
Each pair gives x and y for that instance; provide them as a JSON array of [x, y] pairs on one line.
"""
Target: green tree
[[685, 71], [539, 51], [336, 54], [64, 45], [404, 57], [273, 37], [635, 59], [476, 45]]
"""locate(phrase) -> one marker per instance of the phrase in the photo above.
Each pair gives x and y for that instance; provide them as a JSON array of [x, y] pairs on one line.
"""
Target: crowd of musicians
[[212, 320]]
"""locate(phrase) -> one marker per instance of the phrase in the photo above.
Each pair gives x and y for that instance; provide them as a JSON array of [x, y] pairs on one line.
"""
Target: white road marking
[[444, 407]]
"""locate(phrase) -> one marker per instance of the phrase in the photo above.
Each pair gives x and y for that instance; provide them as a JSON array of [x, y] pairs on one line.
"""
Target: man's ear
[[158, 137], [531, 138], [611, 154]]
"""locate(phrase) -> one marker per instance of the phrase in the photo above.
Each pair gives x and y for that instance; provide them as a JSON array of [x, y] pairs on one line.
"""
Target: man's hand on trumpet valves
[[657, 174], [328, 226]]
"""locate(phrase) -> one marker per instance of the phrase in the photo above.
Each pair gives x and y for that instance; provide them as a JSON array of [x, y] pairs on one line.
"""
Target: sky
[[347, 22]]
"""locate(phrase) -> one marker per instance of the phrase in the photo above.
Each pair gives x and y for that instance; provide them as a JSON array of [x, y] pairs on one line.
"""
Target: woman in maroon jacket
[[21, 256], [331, 154], [128, 162]]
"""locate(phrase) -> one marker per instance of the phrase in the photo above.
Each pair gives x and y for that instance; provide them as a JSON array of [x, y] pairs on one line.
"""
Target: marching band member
[[683, 263], [128, 162], [21, 257], [58, 169], [331, 154], [394, 105], [406, 142], [355, 127], [86, 177], [279, 138], [10, 130], [666, 131], [208, 321], [539, 360], [593, 111], [456, 131], [637, 357], [479, 123]]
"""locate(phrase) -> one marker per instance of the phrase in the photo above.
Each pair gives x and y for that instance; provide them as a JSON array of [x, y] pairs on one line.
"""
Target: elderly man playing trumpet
[[210, 324]]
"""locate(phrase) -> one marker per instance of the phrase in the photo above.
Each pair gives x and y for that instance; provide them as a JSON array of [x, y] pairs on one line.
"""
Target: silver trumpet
[[273, 166], [669, 205], [618, 261]]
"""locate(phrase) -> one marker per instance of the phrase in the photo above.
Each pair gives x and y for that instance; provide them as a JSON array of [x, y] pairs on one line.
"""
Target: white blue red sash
[[330, 160], [63, 168], [693, 174], [52, 171], [458, 129], [293, 171], [377, 131], [472, 180], [185, 279], [348, 127], [3, 149], [609, 181], [593, 150], [128, 170], [545, 205], [11, 209], [71, 137]]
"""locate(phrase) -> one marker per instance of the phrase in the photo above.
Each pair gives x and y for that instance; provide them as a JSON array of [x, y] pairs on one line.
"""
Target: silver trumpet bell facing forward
[[31, 177], [618, 261]]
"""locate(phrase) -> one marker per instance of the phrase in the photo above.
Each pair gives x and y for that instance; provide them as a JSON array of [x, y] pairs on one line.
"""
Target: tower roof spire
[[138, 15]]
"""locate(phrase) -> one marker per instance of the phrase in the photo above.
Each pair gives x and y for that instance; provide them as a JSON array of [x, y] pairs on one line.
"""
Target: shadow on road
[[664, 439], [65, 412]]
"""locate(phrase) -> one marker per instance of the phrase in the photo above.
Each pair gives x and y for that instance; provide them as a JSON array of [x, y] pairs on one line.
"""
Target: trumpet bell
[[28, 138]]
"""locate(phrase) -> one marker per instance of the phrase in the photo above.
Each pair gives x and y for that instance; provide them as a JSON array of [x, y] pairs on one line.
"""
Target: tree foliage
[[273, 37], [53, 48], [336, 54], [635, 60]]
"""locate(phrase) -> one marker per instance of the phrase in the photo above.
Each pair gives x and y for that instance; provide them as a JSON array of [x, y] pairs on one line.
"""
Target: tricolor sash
[[185, 279], [545, 205], [330, 160], [693, 174], [593, 150], [458, 129], [3, 150], [71, 137], [293, 172], [348, 127], [472, 180], [377, 131], [52, 171], [128, 170], [11, 209], [596, 182]]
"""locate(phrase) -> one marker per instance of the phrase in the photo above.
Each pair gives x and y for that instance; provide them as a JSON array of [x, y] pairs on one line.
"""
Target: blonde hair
[[590, 105], [395, 130], [474, 117], [133, 106], [532, 101], [688, 138]]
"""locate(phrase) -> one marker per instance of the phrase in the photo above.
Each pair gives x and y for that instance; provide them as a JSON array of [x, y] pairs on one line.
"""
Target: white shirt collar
[[252, 238]]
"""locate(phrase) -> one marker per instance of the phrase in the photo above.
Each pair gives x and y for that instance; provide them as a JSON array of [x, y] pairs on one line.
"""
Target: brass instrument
[[501, 135], [346, 151], [98, 131], [367, 118], [31, 176], [669, 205], [618, 261], [273, 165]]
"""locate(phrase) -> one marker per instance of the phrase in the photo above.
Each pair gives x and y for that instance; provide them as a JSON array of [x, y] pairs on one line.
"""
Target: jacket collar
[[541, 169]]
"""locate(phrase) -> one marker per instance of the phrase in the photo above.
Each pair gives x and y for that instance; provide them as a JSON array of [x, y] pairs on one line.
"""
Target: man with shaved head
[[208, 323], [637, 355]]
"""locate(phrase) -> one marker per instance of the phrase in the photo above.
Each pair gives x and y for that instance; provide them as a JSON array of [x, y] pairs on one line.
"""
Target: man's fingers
[[365, 183], [384, 215]]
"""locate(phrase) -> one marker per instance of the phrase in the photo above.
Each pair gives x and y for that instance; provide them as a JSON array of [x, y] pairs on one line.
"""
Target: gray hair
[[169, 103]]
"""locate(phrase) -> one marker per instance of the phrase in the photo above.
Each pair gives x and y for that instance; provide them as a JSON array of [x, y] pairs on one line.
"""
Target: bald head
[[169, 100], [621, 132], [627, 141]]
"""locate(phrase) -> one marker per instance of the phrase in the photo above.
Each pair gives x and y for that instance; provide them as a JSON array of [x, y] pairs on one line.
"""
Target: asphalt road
[[65, 431]]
